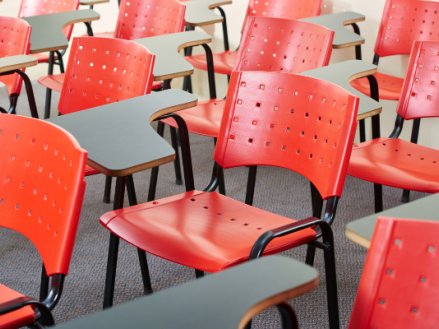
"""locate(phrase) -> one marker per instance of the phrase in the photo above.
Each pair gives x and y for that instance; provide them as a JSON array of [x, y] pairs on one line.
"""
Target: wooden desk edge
[[172, 76], [358, 239], [155, 162], [349, 44], [279, 298], [23, 61]]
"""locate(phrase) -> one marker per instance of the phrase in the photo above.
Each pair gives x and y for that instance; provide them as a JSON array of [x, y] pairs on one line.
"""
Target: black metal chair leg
[[107, 189], [44, 285], [310, 254], [331, 277], [110, 277], [199, 274], [131, 191], [155, 170], [144, 269], [251, 182], [48, 103], [378, 196], [113, 249], [405, 196], [177, 167], [288, 316], [362, 129]]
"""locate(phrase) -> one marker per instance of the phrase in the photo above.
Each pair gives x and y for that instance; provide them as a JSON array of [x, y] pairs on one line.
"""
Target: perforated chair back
[[41, 186], [43, 7], [288, 9], [420, 92], [403, 22], [399, 287], [141, 19], [276, 44], [306, 125], [14, 40], [104, 70]]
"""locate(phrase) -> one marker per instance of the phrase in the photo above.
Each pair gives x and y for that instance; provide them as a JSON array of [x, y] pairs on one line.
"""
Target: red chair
[[137, 19], [392, 161], [40, 197], [14, 40], [273, 119], [224, 62], [104, 70], [392, 292], [270, 44], [402, 22]]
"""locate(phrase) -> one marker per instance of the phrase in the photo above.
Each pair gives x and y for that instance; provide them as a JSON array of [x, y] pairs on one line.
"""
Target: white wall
[[372, 9]]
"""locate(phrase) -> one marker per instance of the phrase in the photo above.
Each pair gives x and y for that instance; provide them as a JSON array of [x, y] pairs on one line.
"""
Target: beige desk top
[[337, 22], [199, 12], [47, 30], [169, 63], [16, 62]]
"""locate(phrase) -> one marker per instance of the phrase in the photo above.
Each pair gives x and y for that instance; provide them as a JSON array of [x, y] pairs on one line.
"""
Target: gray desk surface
[[47, 30], [199, 12], [16, 62], [118, 136], [342, 37], [169, 63], [360, 231], [223, 300], [343, 72]]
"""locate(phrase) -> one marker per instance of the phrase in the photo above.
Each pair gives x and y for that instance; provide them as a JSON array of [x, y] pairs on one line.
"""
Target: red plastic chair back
[[104, 70], [140, 19], [288, 9], [43, 7], [14, 40], [420, 93], [276, 44], [404, 21], [295, 122], [399, 287], [41, 186]]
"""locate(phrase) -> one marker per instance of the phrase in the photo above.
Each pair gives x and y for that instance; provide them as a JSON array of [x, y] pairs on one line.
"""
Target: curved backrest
[[146, 18], [41, 186], [404, 21], [14, 40], [43, 7], [399, 287], [420, 92], [290, 121], [104, 70], [276, 44], [288, 9]]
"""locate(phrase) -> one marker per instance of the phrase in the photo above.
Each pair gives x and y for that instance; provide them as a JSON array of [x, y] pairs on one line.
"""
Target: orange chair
[[14, 40], [402, 22], [40, 197], [224, 62], [392, 292], [392, 161], [271, 118], [270, 44]]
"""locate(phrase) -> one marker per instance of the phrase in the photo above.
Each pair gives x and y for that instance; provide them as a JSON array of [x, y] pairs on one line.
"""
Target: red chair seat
[[194, 223], [224, 61], [389, 86], [397, 163], [19, 318], [203, 119], [53, 81]]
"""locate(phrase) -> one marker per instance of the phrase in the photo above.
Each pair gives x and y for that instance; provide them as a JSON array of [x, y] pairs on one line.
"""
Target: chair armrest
[[43, 311]]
